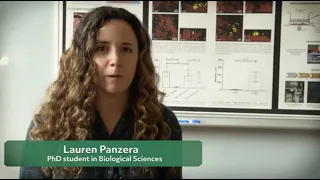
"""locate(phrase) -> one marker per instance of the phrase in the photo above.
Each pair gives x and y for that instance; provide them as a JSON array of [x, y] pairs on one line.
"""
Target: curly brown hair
[[67, 113]]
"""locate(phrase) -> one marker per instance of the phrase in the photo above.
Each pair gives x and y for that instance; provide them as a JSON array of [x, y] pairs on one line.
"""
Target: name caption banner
[[103, 153]]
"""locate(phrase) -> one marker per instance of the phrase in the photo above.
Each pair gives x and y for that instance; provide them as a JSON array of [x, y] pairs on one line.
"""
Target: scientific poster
[[76, 10], [214, 53], [299, 82]]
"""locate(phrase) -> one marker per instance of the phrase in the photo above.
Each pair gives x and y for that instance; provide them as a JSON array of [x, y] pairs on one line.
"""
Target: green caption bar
[[103, 153]]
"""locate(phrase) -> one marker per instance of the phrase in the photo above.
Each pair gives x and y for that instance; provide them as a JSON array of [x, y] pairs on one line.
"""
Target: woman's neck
[[111, 104]]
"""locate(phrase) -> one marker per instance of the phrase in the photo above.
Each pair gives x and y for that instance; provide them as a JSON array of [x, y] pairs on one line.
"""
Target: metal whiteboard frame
[[242, 120], [58, 34], [207, 119]]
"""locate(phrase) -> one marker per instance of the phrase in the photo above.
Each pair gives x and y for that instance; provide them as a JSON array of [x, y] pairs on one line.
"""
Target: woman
[[106, 90]]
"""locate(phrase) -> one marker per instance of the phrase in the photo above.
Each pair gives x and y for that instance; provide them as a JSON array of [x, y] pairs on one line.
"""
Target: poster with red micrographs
[[214, 54], [77, 10]]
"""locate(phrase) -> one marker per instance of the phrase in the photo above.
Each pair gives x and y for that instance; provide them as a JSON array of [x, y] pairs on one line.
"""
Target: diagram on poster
[[214, 53], [76, 10], [305, 19], [299, 84]]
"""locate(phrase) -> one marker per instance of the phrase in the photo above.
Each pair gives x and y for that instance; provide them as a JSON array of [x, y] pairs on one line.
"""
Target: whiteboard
[[246, 100], [205, 66]]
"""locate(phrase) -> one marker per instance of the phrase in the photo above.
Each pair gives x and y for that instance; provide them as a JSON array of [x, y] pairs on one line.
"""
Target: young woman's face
[[116, 55]]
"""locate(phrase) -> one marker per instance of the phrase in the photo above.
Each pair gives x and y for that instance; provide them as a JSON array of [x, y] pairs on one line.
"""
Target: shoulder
[[32, 172], [171, 119], [168, 114], [36, 122]]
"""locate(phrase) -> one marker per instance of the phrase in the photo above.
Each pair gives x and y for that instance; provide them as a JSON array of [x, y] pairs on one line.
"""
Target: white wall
[[26, 30], [255, 153], [26, 38]]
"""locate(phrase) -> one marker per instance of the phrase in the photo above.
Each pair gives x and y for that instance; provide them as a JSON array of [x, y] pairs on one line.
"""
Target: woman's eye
[[102, 49], [126, 49]]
